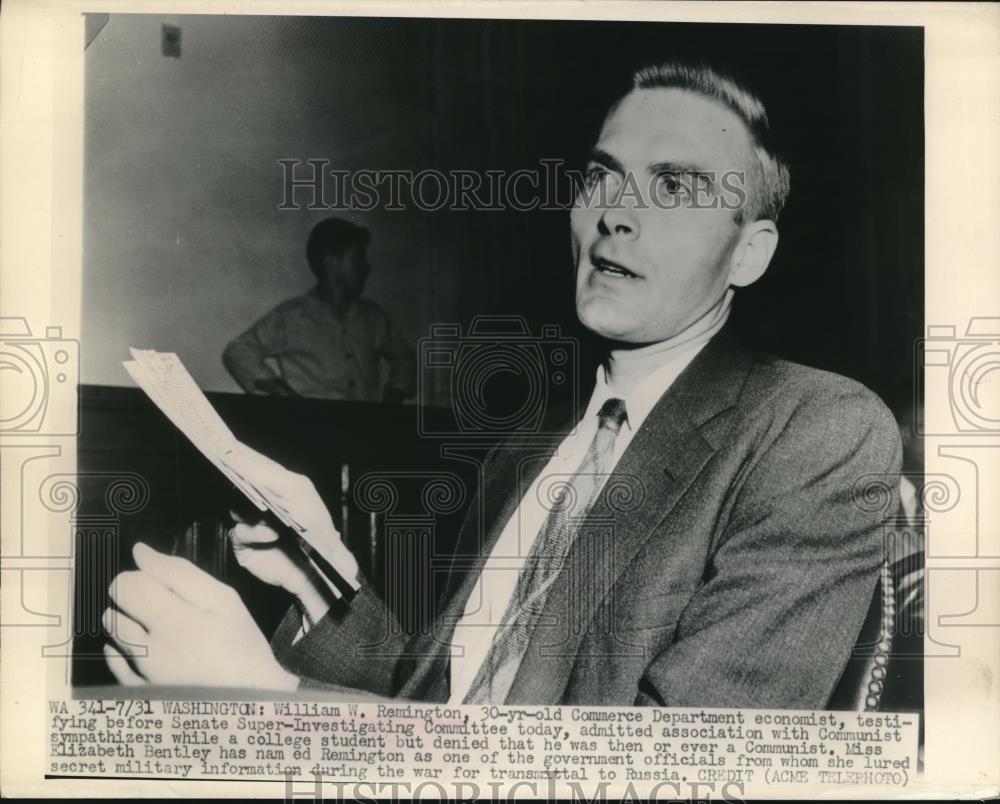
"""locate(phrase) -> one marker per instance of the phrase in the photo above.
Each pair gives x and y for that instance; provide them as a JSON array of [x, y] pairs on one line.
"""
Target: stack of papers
[[165, 380]]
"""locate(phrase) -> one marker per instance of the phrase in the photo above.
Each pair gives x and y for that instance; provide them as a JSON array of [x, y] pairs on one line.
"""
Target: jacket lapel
[[663, 459]]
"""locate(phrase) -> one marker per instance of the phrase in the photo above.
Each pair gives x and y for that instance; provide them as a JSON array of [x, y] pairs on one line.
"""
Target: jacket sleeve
[[355, 645], [792, 575]]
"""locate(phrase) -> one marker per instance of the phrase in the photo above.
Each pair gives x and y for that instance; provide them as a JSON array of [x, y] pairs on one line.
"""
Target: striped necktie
[[496, 675]]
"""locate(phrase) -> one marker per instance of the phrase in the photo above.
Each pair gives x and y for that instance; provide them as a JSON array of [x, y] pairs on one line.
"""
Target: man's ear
[[753, 253]]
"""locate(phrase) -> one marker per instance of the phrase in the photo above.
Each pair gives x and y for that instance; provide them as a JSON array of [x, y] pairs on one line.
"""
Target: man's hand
[[297, 495], [261, 551], [176, 624], [279, 561]]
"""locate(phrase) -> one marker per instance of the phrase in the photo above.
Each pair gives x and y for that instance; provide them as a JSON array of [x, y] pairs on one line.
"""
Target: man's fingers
[[252, 535], [121, 669], [246, 516], [188, 582], [125, 631], [146, 601]]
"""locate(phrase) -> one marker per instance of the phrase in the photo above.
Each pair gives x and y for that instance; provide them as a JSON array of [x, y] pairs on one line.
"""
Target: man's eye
[[595, 174], [670, 184]]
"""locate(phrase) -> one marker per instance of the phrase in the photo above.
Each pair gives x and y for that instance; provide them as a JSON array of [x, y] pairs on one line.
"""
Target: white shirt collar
[[677, 353], [643, 398]]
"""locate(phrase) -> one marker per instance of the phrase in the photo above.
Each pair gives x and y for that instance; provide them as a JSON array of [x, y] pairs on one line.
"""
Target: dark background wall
[[185, 244]]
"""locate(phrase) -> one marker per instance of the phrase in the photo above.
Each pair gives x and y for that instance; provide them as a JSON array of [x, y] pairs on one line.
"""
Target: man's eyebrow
[[602, 157], [677, 167]]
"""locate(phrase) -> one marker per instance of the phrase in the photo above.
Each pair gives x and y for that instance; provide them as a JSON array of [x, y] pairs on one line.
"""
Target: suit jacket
[[729, 561]]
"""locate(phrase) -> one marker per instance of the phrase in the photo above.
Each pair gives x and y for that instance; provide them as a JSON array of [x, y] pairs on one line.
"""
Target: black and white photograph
[[564, 376], [584, 227]]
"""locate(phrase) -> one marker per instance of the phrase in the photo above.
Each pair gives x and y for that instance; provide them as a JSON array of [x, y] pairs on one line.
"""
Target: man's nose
[[618, 221]]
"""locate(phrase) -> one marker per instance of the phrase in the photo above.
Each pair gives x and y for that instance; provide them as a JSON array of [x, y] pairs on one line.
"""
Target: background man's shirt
[[301, 342]]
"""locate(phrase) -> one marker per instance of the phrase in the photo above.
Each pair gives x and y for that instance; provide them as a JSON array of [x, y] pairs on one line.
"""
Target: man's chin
[[610, 324]]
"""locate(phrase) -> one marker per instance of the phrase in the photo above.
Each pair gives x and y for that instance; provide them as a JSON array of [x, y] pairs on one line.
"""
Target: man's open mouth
[[609, 268]]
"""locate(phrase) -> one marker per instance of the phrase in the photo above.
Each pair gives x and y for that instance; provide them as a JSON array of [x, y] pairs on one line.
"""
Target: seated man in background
[[329, 342]]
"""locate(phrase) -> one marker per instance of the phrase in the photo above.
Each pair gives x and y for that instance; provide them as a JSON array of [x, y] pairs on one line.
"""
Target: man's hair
[[769, 180], [333, 236]]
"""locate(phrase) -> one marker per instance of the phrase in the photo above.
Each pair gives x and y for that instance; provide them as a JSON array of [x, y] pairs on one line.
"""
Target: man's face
[[647, 263], [350, 270]]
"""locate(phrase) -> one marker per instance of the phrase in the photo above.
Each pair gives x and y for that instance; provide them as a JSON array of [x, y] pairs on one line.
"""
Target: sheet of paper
[[168, 384], [149, 384]]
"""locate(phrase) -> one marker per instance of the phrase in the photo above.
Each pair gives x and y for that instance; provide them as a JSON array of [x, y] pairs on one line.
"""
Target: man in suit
[[707, 545]]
